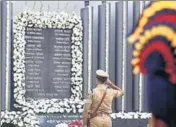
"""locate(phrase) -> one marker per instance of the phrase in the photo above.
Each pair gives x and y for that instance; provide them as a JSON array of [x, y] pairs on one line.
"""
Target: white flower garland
[[48, 20], [124, 54], [20, 119], [140, 75], [62, 125], [89, 47], [130, 115], [107, 38]]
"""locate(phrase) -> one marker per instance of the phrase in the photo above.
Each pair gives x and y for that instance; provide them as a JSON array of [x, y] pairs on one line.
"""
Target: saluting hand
[[108, 82]]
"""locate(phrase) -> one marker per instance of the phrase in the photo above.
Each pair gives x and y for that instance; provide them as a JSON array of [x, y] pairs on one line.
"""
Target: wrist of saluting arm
[[112, 85], [116, 87]]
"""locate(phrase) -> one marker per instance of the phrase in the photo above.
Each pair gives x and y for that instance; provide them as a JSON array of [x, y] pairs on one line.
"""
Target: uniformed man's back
[[106, 105], [99, 102]]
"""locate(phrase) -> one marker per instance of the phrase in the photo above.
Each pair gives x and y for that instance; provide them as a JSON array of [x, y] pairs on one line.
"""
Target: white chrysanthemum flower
[[62, 125], [15, 122], [61, 110], [20, 124], [7, 120], [27, 120]]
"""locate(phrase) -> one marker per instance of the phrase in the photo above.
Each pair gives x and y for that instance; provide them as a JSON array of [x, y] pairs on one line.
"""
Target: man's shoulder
[[92, 91]]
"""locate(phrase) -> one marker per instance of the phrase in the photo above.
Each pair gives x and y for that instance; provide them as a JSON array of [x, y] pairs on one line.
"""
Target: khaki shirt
[[95, 97]]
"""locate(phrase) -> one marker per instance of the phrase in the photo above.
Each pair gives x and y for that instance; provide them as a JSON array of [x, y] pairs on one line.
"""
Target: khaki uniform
[[94, 98]]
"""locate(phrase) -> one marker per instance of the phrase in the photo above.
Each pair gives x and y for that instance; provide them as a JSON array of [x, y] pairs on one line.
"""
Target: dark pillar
[[95, 52], [102, 36], [85, 20], [118, 51], [3, 53]]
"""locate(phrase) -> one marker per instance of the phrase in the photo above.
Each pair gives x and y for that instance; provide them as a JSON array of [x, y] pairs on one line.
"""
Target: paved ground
[[129, 123]]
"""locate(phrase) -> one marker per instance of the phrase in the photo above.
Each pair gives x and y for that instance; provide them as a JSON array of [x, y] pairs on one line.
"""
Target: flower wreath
[[19, 119], [48, 20]]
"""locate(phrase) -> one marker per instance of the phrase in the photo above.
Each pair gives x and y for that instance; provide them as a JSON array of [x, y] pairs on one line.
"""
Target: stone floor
[[130, 123]]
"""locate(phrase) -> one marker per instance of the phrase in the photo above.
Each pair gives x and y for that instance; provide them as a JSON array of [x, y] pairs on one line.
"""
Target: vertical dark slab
[[10, 53], [145, 99], [129, 49], [84, 17], [1, 56], [11, 61], [95, 52], [3, 52], [112, 41], [102, 36], [136, 15], [111, 50], [118, 51]]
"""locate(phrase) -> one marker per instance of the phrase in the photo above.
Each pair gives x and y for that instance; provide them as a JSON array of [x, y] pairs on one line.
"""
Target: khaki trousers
[[101, 121]]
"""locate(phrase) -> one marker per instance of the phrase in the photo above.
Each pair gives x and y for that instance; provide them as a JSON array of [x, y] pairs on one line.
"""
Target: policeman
[[99, 102], [154, 41]]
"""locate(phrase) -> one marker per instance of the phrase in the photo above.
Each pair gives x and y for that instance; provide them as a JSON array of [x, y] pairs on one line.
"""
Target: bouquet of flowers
[[77, 123]]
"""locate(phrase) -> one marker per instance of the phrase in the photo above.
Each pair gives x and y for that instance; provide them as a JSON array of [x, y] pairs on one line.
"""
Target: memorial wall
[[52, 59], [48, 63]]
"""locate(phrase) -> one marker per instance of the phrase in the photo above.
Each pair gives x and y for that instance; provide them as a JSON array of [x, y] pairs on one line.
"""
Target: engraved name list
[[48, 63]]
